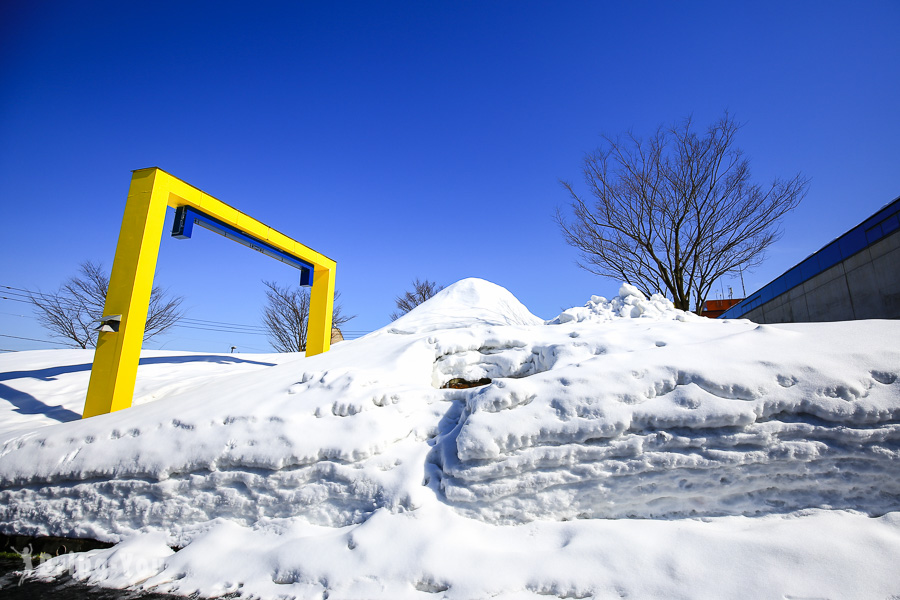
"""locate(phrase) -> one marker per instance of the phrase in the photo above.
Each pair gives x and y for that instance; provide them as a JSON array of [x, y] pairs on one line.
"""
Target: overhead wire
[[24, 295], [16, 337]]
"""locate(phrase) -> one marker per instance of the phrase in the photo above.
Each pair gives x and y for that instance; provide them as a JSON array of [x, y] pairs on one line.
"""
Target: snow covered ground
[[622, 449]]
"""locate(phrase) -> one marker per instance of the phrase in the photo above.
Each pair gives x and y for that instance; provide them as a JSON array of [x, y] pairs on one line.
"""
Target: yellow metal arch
[[116, 359]]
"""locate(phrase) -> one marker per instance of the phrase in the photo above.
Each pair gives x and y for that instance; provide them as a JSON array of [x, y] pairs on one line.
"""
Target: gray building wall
[[864, 286]]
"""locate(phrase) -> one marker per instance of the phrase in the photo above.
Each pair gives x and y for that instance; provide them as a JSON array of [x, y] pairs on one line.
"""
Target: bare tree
[[73, 312], [675, 213], [422, 291], [286, 316]]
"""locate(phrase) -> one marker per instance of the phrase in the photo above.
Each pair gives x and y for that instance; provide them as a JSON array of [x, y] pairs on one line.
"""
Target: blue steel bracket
[[183, 227]]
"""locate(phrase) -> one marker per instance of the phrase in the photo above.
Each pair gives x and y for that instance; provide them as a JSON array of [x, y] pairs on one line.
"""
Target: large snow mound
[[622, 408], [467, 303]]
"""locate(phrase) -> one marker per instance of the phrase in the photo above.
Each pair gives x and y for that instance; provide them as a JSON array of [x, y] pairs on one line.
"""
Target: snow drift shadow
[[50, 373], [26, 404], [211, 358]]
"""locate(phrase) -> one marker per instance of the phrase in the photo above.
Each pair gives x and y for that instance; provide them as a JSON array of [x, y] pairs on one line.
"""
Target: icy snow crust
[[620, 408]]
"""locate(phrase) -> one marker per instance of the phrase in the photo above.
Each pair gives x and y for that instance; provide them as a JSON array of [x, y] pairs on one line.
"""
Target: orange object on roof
[[714, 308]]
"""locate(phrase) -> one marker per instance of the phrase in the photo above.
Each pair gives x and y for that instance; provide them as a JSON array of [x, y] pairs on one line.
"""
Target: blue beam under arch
[[186, 217]]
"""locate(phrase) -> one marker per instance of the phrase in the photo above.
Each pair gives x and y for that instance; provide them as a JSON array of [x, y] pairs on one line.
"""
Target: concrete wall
[[864, 286]]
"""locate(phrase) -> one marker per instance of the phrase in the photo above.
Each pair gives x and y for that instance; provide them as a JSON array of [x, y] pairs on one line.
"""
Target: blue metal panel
[[734, 312], [873, 234], [882, 215], [778, 287], [183, 227], [810, 267], [891, 224], [793, 278], [829, 256], [186, 217], [852, 242]]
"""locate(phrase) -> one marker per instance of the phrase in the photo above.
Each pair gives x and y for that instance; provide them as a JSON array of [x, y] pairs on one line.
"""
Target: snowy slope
[[44, 387], [622, 449]]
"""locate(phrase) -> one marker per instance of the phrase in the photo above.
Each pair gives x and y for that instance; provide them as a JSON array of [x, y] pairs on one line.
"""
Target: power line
[[250, 330], [24, 295], [220, 323], [65, 303], [219, 330], [226, 327], [16, 337], [9, 287], [15, 299]]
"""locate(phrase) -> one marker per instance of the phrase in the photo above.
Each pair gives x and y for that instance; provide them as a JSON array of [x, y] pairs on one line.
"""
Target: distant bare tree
[[674, 213], [422, 291], [286, 316], [73, 312]]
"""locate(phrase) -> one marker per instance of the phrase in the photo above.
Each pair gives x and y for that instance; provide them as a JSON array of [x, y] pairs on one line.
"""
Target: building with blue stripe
[[856, 276]]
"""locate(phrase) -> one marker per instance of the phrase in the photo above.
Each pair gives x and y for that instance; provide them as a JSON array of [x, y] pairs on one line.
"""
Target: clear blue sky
[[412, 139]]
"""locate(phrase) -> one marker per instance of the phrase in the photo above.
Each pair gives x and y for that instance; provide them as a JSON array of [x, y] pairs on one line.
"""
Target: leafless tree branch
[[422, 291], [286, 316], [72, 313], [676, 212]]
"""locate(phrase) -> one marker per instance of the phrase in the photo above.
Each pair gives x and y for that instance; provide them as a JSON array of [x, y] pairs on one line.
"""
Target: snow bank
[[435, 553], [724, 419], [357, 474], [631, 303]]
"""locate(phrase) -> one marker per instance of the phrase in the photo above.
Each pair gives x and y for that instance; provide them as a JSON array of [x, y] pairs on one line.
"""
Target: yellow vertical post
[[321, 303], [118, 353]]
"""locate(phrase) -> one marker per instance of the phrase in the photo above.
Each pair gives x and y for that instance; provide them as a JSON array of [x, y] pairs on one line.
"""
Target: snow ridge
[[631, 303], [624, 408], [696, 430]]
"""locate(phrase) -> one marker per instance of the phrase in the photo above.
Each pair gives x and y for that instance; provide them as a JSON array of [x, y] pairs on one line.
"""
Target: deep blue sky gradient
[[412, 139]]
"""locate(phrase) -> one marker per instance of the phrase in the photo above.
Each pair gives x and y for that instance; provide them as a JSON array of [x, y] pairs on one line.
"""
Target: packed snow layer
[[435, 553], [356, 473], [717, 419]]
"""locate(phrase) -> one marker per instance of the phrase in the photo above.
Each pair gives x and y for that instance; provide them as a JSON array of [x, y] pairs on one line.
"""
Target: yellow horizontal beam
[[181, 193], [116, 358]]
